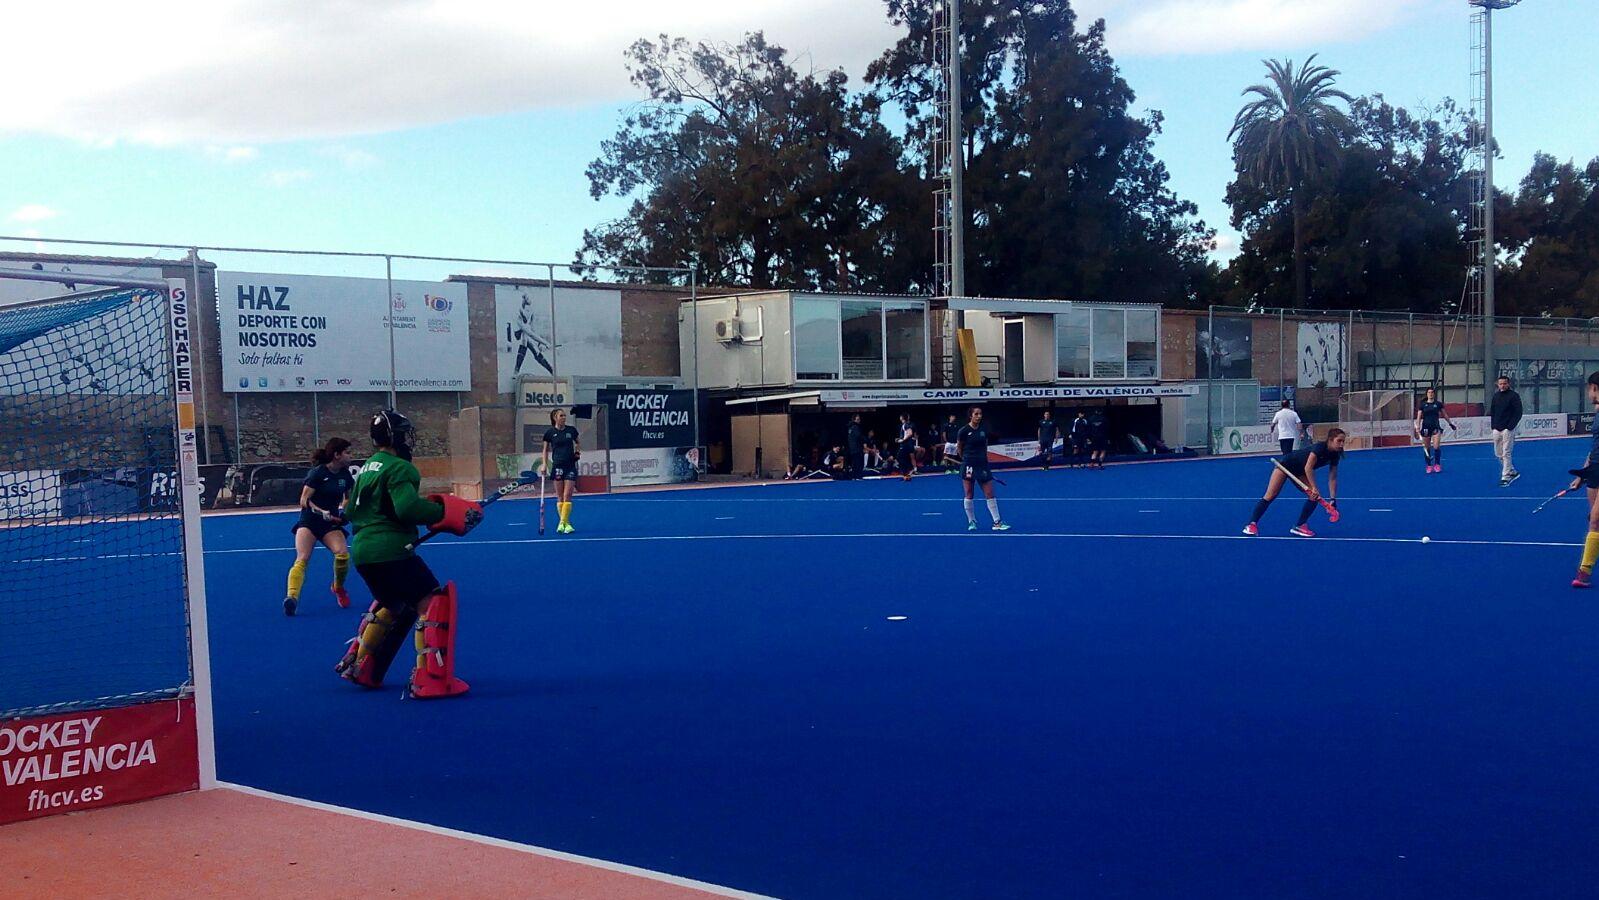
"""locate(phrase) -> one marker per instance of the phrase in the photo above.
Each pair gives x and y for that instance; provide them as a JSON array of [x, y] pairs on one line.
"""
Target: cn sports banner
[[575, 332], [331, 333], [648, 418], [1321, 354]]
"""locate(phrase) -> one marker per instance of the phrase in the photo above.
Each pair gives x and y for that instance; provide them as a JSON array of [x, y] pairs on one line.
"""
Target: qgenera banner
[[331, 333]]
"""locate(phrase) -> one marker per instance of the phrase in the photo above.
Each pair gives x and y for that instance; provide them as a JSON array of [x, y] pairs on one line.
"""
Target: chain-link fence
[[1249, 360], [297, 347]]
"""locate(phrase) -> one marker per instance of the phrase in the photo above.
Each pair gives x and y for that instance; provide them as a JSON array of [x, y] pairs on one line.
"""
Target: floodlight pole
[[1489, 258], [957, 200]]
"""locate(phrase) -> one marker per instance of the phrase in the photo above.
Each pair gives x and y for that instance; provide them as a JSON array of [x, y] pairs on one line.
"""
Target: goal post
[[105, 693], [1380, 418]]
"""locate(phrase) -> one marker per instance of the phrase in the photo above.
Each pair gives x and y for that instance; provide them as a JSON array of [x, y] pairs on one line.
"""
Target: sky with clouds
[[461, 127]]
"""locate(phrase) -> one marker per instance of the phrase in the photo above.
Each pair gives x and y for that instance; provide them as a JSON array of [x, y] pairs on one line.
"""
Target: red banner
[[81, 760]]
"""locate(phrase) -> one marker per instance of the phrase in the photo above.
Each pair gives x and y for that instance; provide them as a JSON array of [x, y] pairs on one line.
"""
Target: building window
[[816, 344], [905, 325], [1143, 343], [1071, 344], [1110, 343], [861, 328]]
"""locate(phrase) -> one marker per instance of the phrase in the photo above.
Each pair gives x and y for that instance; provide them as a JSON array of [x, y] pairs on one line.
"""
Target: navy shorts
[[563, 473], [979, 474], [1429, 432], [319, 526]]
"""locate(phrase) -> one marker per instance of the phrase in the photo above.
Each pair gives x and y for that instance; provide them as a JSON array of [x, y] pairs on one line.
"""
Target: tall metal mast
[[1481, 288]]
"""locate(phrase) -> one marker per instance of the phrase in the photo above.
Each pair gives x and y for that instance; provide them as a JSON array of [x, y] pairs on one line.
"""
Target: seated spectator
[[836, 463], [873, 456]]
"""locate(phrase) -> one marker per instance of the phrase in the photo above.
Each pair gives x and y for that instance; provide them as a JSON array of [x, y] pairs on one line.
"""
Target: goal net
[[91, 515], [1376, 418]]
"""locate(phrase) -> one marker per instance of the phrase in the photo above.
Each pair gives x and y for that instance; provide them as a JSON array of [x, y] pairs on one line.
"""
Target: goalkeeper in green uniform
[[386, 508]]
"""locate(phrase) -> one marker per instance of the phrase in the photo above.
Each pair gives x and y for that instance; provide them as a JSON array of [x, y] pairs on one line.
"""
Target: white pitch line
[[932, 514], [1378, 509], [503, 844], [1149, 510], [723, 518], [964, 536]]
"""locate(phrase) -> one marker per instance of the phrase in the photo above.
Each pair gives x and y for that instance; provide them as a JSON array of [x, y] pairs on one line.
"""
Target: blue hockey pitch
[[1123, 697]]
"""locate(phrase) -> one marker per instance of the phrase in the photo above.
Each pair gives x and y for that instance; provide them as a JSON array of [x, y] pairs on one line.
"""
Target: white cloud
[[255, 71], [350, 157], [1227, 246], [234, 73], [32, 212], [285, 177], [1162, 27]]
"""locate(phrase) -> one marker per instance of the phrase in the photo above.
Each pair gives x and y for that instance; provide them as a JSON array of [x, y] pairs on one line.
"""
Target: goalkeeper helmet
[[390, 429]]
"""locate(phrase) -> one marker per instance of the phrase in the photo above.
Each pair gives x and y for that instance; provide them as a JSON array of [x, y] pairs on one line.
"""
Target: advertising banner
[[1019, 452], [574, 332], [1542, 425], [1232, 439], [1230, 345], [964, 395], [81, 760], [653, 465], [648, 418], [30, 494], [1322, 352], [329, 333]]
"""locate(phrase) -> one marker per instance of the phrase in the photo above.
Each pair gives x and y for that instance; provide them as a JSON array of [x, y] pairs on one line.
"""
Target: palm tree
[[1289, 134]]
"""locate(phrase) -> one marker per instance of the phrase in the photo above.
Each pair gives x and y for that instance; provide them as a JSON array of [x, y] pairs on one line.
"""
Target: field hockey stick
[[1332, 511], [1551, 500], [541, 505], [521, 482], [1584, 473]]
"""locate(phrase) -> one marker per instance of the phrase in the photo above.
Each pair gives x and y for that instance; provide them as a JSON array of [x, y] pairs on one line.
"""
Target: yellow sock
[[296, 578], [566, 512], [341, 568], [1590, 551]]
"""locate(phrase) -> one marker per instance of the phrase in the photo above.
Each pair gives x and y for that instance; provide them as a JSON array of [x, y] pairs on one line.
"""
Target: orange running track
[[226, 843]]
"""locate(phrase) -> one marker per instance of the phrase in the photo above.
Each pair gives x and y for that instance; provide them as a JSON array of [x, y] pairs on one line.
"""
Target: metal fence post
[[1282, 385], [694, 313], [316, 420], [554, 353], [238, 439], [1210, 379], [195, 306], [388, 318]]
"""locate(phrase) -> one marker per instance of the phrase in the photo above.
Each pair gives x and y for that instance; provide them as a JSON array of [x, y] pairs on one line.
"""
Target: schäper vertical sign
[[81, 760]]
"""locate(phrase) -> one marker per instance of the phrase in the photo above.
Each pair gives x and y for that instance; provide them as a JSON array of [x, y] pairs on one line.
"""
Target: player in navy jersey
[[971, 445], [1588, 476], [561, 453], [322, 519], [1303, 463], [1430, 431]]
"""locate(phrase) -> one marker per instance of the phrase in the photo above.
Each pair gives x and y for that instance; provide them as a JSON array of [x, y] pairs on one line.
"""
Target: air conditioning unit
[[730, 330]]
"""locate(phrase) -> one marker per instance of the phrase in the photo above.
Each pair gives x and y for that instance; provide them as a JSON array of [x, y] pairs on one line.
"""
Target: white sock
[[993, 509], [971, 511]]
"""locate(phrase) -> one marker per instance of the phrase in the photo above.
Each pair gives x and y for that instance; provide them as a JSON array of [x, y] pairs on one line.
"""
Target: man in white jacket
[[1287, 426]]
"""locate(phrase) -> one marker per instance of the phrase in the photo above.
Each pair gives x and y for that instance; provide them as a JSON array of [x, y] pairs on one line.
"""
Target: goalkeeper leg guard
[[375, 645], [434, 675]]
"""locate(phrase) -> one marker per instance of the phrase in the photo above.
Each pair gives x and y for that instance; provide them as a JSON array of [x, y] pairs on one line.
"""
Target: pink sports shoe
[[1251, 529], [1301, 531], [1583, 580]]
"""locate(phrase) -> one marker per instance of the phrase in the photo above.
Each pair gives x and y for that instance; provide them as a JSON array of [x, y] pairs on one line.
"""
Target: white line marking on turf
[[900, 536], [932, 514], [607, 865], [1149, 510], [1378, 509], [723, 518]]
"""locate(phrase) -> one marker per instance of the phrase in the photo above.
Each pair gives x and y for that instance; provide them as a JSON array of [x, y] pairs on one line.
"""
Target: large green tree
[[1064, 193], [759, 173], [1550, 229], [1382, 225], [1286, 139]]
